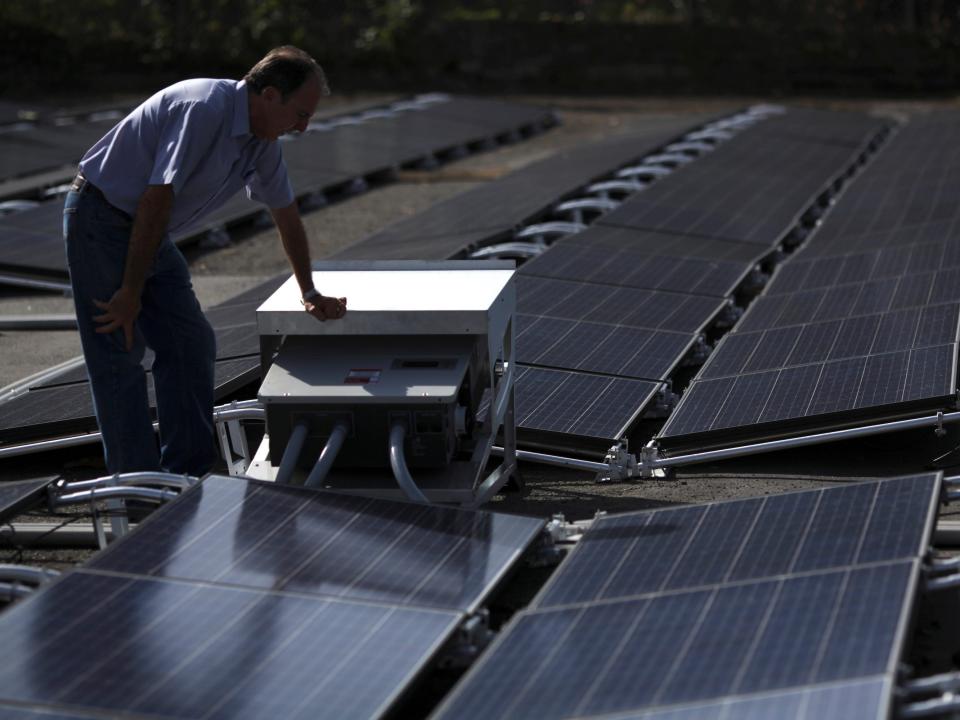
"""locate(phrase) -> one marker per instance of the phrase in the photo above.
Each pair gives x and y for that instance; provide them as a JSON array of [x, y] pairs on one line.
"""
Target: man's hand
[[326, 308], [120, 311]]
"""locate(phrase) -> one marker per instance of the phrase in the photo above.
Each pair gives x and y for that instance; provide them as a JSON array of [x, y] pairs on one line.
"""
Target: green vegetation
[[581, 46]]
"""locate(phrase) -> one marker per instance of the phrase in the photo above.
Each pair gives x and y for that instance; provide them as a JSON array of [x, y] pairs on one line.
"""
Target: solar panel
[[32, 241], [677, 648], [600, 348], [175, 650], [750, 189], [498, 207], [653, 309], [282, 538], [220, 605], [632, 267], [856, 700], [714, 611], [47, 411], [20, 495], [745, 540], [667, 244], [588, 406], [43, 147], [833, 127]]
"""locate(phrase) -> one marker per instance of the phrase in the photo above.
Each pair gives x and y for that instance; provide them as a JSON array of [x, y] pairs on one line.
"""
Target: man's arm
[[149, 226], [294, 239]]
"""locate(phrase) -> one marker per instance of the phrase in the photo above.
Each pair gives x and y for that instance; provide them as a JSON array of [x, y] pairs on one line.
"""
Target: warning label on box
[[362, 376]]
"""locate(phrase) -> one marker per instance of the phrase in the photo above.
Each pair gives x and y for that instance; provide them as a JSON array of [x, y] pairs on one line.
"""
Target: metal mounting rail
[[242, 410], [651, 461], [621, 465]]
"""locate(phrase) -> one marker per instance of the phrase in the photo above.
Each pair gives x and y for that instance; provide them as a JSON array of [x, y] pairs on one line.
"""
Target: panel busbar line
[[221, 604], [796, 601]]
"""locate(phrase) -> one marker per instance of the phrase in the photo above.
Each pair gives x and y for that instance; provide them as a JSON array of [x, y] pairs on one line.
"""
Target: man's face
[[294, 113]]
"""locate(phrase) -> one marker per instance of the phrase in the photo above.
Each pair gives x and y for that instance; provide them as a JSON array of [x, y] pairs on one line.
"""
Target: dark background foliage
[[850, 47]]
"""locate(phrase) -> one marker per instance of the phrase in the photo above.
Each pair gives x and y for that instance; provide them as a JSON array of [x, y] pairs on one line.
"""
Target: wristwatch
[[310, 295]]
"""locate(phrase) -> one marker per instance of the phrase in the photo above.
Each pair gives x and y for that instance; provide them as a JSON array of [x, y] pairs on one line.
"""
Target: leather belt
[[81, 185]]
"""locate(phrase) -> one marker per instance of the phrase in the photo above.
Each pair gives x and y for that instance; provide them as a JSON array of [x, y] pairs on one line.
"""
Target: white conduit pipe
[[327, 456], [181, 482], [292, 453], [123, 493], [26, 574], [398, 464]]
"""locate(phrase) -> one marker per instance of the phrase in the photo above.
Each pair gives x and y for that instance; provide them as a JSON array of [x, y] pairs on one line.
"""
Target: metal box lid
[[399, 297]]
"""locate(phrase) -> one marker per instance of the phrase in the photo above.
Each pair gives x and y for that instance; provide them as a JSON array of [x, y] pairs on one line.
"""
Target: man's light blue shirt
[[195, 136]]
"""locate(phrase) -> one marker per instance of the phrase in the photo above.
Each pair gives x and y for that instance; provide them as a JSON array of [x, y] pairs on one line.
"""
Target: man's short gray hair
[[286, 68]]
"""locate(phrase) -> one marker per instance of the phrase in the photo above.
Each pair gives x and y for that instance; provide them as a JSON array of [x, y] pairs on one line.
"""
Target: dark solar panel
[[188, 650], [32, 241], [725, 642], [668, 244], [590, 406], [632, 267], [750, 189], [273, 537], [20, 495], [773, 606], [44, 147], [653, 309], [832, 127], [727, 542], [875, 384], [49, 411], [501, 206], [853, 700], [599, 348]]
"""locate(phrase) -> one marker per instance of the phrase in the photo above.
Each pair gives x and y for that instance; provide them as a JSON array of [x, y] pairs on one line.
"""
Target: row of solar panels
[[61, 404], [333, 156], [618, 328], [244, 599], [616, 308], [861, 324]]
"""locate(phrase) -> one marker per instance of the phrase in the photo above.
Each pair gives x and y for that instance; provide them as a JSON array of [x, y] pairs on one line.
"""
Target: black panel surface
[[743, 540], [591, 406], [49, 411], [653, 309], [600, 348], [20, 495], [750, 189], [637, 268], [186, 650], [232, 532], [708, 645]]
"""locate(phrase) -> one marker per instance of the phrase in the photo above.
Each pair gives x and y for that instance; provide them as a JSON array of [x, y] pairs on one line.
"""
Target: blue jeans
[[170, 323]]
